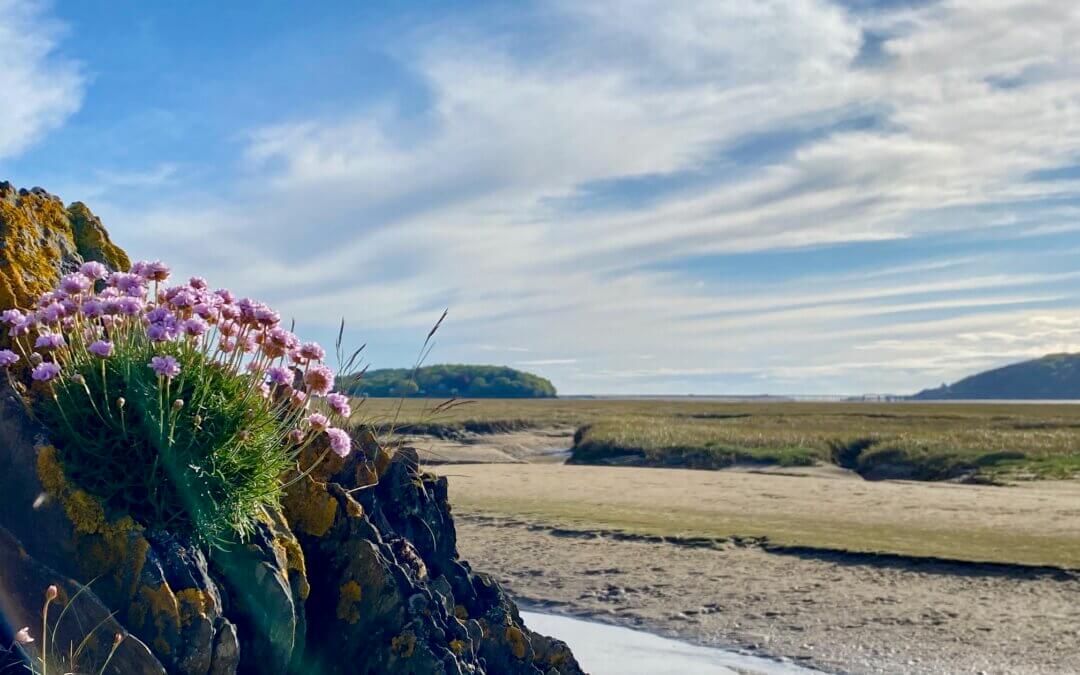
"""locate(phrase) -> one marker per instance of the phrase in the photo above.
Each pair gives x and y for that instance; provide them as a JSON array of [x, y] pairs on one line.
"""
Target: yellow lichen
[[85, 512], [49, 471], [193, 603], [404, 644], [309, 507], [516, 639], [348, 608], [294, 562], [156, 606], [461, 613], [457, 646]]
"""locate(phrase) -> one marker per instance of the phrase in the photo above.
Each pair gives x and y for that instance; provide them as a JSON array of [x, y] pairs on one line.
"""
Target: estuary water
[[602, 649]]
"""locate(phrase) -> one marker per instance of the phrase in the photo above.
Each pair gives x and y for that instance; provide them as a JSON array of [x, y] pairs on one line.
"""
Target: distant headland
[[450, 380]]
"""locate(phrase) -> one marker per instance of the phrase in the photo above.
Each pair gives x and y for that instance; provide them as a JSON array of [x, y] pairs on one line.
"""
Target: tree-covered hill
[[1056, 376], [444, 381]]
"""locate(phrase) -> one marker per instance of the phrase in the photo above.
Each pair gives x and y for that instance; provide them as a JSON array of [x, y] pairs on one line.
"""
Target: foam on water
[[610, 650]]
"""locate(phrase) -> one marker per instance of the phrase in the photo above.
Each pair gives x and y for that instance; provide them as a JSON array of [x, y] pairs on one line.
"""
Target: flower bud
[[78, 379], [121, 402], [36, 358], [178, 404], [51, 592], [117, 639]]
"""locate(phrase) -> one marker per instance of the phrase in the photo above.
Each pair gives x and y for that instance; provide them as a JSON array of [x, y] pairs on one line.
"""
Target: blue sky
[[634, 196]]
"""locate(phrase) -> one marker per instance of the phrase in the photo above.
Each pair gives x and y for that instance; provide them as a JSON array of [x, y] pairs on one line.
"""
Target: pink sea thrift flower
[[92, 309], [102, 348], [23, 327], [11, 316], [296, 436], [317, 421], [198, 283], [8, 358], [340, 442], [130, 306], [340, 404], [225, 295], [194, 326], [45, 371], [298, 399], [151, 270], [280, 375], [75, 283], [165, 366], [312, 351], [49, 341], [52, 313], [227, 345], [183, 298], [160, 332], [229, 311], [208, 312], [125, 282], [94, 270], [23, 636], [319, 379], [266, 316]]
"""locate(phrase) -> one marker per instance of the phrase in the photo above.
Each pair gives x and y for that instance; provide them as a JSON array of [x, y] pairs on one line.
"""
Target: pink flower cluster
[[94, 314]]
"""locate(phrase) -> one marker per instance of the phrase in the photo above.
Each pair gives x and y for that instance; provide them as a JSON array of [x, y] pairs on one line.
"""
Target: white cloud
[[476, 210], [40, 89]]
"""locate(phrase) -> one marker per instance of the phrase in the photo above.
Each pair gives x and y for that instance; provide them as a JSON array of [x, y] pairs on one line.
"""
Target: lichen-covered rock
[[77, 616], [160, 588], [41, 239], [388, 591], [358, 573]]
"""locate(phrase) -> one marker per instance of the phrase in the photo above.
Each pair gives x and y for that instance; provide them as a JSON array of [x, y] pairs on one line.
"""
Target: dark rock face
[[389, 593], [358, 573], [74, 613]]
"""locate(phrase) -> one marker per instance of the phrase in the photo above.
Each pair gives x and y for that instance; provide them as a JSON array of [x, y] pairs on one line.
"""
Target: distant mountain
[[445, 381], [1056, 376]]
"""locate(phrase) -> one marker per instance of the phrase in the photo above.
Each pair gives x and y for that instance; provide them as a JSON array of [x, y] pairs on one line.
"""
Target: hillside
[[444, 381], [1056, 376]]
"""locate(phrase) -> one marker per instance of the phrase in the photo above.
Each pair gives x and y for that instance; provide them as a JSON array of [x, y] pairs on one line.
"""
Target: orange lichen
[[309, 507], [516, 639], [348, 608]]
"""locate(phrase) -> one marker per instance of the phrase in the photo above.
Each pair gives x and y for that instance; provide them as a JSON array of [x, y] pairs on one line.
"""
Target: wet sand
[[779, 564], [834, 614]]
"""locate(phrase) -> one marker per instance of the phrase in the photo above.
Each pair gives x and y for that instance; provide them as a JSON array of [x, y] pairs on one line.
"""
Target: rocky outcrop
[[40, 239], [358, 572]]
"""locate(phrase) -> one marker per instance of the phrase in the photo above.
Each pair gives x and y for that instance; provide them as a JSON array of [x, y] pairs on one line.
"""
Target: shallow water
[[610, 650]]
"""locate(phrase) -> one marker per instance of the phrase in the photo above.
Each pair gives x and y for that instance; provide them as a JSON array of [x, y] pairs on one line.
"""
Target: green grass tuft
[[203, 468]]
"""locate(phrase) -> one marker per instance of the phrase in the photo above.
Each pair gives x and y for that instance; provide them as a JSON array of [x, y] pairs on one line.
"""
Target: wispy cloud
[[40, 89], [568, 163]]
